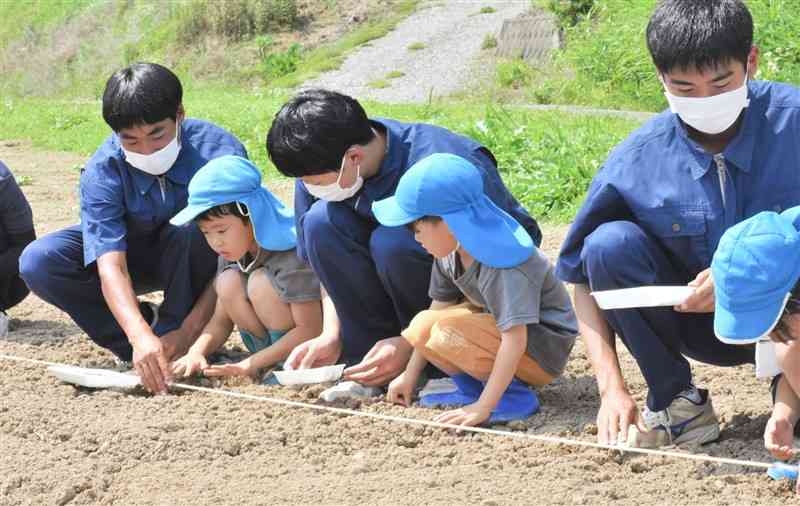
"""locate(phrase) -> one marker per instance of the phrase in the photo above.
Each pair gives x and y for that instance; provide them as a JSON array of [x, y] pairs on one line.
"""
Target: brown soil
[[66, 445]]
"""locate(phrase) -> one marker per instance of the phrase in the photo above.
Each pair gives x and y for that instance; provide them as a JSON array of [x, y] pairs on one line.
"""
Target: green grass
[[416, 46], [606, 62], [546, 158], [34, 16], [487, 10], [394, 74], [489, 42], [331, 57], [379, 84]]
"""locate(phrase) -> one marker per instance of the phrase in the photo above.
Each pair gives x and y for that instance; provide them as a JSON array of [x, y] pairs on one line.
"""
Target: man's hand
[[176, 343], [468, 416], [385, 361], [151, 363], [242, 368], [617, 412], [317, 352], [189, 365], [401, 390], [702, 300]]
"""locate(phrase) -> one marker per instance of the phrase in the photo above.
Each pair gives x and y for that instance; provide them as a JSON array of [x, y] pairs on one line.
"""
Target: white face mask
[[159, 162], [710, 115], [334, 192]]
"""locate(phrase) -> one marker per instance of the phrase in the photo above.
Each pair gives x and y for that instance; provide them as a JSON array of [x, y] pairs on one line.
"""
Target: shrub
[[570, 12], [283, 63]]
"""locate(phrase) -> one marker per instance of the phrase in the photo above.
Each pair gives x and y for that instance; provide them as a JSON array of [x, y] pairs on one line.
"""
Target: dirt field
[[64, 445]]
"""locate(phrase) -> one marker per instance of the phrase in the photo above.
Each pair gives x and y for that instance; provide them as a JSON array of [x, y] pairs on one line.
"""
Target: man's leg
[[52, 267], [339, 249], [621, 255], [185, 265]]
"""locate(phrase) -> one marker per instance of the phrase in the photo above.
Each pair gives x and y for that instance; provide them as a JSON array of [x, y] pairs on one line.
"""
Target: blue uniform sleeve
[[603, 204], [102, 213], [15, 212], [302, 203]]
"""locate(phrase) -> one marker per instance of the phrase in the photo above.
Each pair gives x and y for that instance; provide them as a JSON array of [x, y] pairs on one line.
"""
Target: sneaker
[[3, 324], [690, 418], [349, 390]]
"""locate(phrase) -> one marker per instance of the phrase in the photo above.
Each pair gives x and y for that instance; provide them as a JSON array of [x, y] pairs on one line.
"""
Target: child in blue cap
[[756, 269], [262, 286], [499, 320]]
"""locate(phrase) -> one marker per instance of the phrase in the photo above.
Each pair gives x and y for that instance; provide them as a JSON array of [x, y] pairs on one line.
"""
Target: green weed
[[489, 42], [395, 74], [416, 46], [379, 84], [487, 10]]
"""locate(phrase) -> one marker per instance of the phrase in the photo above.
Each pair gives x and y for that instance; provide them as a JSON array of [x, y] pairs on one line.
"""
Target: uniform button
[[676, 227]]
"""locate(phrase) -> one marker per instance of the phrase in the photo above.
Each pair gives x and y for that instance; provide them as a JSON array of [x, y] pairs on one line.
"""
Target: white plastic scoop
[[308, 376], [93, 378], [643, 296]]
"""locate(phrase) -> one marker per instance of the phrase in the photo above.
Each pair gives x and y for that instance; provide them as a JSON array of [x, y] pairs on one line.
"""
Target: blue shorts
[[256, 344]]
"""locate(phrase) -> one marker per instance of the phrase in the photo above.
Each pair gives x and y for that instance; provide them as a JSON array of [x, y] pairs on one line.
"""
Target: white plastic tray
[[643, 296], [308, 376], [93, 378]]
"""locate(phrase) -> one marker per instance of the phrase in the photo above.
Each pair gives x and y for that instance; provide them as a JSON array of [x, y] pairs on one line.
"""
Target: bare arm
[[149, 358], [617, 408]]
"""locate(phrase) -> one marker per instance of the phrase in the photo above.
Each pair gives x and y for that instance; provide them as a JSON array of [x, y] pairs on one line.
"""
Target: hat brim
[[746, 327], [389, 213], [490, 235], [188, 214]]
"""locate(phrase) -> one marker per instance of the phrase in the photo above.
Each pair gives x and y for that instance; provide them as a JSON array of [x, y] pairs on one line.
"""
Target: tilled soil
[[63, 445]]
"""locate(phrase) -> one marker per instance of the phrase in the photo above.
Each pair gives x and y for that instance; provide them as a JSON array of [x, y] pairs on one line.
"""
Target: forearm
[[214, 335], [789, 384], [201, 313], [415, 366], [117, 289], [599, 339], [512, 347], [330, 319], [787, 403]]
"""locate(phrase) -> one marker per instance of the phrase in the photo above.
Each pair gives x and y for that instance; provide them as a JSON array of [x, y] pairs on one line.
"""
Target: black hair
[[141, 94], [311, 132], [425, 219], [229, 209], [699, 34]]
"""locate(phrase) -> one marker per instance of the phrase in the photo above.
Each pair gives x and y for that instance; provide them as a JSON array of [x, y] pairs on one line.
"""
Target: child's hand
[[779, 438], [401, 389], [243, 368], [317, 352], [189, 364], [469, 416]]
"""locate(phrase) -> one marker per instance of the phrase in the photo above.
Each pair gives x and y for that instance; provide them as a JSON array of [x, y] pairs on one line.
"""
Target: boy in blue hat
[[262, 286], [756, 271], [499, 318]]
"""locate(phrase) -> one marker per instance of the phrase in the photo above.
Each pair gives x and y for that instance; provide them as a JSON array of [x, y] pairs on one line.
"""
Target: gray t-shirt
[[528, 294], [292, 279]]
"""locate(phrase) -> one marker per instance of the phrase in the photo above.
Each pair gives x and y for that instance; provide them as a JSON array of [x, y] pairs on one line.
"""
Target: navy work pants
[[174, 259]]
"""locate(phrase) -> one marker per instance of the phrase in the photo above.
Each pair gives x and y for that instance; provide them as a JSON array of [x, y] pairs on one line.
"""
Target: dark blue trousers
[[376, 276], [174, 259], [12, 292], [621, 255]]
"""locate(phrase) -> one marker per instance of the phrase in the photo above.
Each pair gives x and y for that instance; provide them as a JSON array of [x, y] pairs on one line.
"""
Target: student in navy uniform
[[133, 184], [377, 277], [656, 210], [16, 232]]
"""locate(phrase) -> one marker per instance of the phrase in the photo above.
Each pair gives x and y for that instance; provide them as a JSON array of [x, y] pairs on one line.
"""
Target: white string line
[[431, 423]]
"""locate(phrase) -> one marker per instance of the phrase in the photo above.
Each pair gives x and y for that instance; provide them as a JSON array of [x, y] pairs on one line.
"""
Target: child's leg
[[419, 332], [230, 287], [471, 341], [272, 312]]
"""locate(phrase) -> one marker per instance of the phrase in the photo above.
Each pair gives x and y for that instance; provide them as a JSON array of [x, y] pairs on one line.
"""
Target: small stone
[[232, 449], [490, 502], [517, 425], [67, 496], [639, 467]]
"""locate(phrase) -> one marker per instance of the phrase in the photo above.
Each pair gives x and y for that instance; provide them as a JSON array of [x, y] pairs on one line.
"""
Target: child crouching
[[499, 320], [262, 286]]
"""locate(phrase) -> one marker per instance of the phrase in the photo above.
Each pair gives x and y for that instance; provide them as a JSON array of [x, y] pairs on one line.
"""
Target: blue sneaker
[[517, 403], [468, 390]]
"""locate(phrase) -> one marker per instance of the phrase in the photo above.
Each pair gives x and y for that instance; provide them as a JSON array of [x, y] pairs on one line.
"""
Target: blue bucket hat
[[449, 186], [229, 179], [755, 267]]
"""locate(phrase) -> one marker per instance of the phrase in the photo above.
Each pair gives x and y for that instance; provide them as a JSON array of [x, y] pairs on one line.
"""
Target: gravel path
[[452, 32]]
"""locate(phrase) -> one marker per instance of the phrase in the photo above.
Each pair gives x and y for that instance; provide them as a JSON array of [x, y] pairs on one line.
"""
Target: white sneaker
[[3, 324], [690, 418], [439, 386], [349, 390]]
